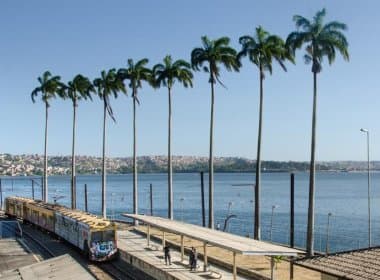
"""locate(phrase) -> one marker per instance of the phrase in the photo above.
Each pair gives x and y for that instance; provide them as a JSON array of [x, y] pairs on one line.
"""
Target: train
[[94, 236]]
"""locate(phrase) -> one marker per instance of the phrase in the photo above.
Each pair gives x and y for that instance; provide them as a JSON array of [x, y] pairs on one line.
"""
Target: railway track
[[47, 247]]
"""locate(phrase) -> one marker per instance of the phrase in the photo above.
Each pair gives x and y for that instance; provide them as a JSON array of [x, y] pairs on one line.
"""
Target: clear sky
[[70, 37]]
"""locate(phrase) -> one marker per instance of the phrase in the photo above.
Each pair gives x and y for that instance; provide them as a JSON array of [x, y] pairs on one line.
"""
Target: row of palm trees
[[320, 41]]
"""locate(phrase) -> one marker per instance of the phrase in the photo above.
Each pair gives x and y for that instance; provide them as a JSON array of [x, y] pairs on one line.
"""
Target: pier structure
[[141, 251]]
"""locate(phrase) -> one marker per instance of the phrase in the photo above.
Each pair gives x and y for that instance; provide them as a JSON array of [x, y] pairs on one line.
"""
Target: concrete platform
[[134, 250], [13, 255], [62, 268]]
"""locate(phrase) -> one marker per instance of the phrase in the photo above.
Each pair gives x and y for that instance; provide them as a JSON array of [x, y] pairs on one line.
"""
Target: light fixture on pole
[[271, 221], [369, 187]]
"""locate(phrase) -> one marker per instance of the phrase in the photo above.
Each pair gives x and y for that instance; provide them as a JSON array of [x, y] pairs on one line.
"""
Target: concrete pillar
[[272, 275], [205, 256], [291, 271], [234, 272], [182, 248], [148, 236]]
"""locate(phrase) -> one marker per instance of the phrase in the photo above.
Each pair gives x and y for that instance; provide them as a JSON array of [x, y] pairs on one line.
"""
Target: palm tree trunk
[[170, 172], [104, 209], [310, 221], [73, 178], [257, 233], [211, 161], [45, 187], [135, 206]]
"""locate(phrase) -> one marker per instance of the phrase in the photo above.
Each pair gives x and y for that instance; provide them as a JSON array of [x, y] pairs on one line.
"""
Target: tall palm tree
[[213, 53], [135, 74], [79, 88], [321, 40], [261, 50], [49, 88], [107, 85], [165, 75]]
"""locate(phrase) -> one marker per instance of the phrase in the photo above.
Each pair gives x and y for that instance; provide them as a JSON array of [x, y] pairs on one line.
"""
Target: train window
[[108, 235], [96, 236]]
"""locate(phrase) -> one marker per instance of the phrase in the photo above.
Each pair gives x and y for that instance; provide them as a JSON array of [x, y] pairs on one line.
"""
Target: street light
[[271, 221], [181, 200], [327, 232], [369, 188]]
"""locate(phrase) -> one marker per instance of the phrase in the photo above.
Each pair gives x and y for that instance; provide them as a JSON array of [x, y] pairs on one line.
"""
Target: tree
[[107, 85], [136, 74], [79, 88], [261, 50], [165, 75], [49, 88], [213, 53], [321, 40]]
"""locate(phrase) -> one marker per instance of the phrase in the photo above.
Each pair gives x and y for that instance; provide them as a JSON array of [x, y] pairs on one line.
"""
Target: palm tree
[[165, 75], [49, 88], [107, 85], [213, 53], [261, 50], [79, 88], [321, 40], [135, 73]]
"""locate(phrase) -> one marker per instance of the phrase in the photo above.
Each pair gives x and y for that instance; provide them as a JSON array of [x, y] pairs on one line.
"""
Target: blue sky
[[70, 37]]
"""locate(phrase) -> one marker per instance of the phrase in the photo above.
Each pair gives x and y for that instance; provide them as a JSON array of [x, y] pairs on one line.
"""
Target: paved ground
[[136, 245]]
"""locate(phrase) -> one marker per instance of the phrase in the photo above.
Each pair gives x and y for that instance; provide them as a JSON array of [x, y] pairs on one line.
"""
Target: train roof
[[93, 221], [20, 199]]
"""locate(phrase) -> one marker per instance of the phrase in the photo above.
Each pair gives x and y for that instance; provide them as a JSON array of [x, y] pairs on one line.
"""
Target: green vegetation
[[213, 53], [135, 74], [321, 40], [49, 88], [261, 50], [165, 75]]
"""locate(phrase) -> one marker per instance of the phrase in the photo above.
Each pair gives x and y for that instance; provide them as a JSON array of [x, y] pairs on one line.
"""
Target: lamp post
[[328, 232], [181, 200], [271, 221], [369, 187]]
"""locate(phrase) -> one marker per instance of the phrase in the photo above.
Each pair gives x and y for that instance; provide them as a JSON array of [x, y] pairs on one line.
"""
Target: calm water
[[342, 194]]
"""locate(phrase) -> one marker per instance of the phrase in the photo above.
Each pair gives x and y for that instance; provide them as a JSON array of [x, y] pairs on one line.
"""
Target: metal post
[[205, 262], [369, 194], [291, 271], [271, 222], [85, 198], [182, 248], [148, 236], [203, 200], [151, 199], [1, 195], [328, 232], [234, 272], [369, 187], [42, 188], [272, 275], [32, 189], [292, 210]]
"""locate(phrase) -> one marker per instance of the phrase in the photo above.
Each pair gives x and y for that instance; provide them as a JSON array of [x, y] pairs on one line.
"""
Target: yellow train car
[[15, 206], [92, 234], [41, 214], [95, 236]]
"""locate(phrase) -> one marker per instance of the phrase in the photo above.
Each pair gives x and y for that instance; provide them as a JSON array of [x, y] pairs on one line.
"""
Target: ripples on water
[[342, 194]]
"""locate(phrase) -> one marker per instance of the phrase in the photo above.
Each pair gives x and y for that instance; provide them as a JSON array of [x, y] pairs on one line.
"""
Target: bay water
[[342, 194]]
